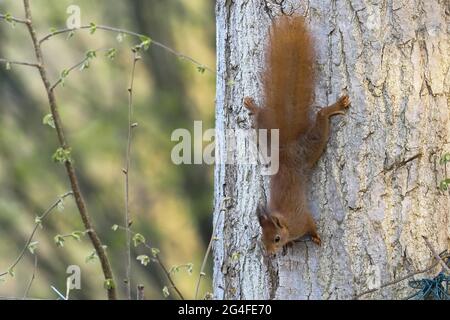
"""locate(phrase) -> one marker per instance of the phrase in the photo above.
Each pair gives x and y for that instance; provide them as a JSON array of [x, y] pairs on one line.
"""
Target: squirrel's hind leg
[[317, 137]]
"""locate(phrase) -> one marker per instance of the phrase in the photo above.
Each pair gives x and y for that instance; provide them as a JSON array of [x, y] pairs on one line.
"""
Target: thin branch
[[10, 18], [16, 298], [35, 229], [208, 250], [436, 255], [126, 171], [140, 292], [387, 284], [33, 276], [134, 34], [160, 262], [21, 63], [81, 204], [169, 277], [75, 66]]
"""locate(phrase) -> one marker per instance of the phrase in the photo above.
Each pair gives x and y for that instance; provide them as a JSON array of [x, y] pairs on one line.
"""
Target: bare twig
[[140, 292], [10, 18], [126, 171], [33, 276], [22, 63], [17, 298], [35, 229], [436, 255], [81, 204], [169, 277], [208, 250], [387, 284], [134, 34], [157, 259]]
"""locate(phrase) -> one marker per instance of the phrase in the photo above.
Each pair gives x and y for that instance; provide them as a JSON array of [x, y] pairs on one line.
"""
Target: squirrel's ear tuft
[[262, 214]]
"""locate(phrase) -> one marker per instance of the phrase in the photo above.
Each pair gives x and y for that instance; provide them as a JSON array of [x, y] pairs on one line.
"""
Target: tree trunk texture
[[374, 193]]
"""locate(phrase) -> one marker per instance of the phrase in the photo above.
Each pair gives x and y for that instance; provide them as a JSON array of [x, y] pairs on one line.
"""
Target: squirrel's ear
[[278, 221], [262, 214]]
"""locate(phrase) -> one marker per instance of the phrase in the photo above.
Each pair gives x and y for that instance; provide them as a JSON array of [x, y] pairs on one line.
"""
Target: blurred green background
[[171, 205]]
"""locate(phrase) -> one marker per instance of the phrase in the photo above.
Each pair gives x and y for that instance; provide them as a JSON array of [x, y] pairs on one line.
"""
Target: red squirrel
[[288, 85]]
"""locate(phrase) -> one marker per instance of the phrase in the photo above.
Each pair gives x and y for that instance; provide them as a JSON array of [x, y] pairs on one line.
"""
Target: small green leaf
[[188, 267], [49, 121], [166, 292], [52, 30], [145, 42], [11, 273], [443, 185], [138, 239], [174, 269], [111, 53], [144, 259], [77, 235], [92, 28], [115, 227], [201, 69], [91, 54], [9, 19], [32, 246], [59, 240], [445, 158], [64, 73], [109, 284], [144, 38], [38, 221], [8, 66], [91, 257], [62, 155], [120, 37], [86, 64], [70, 35], [155, 252], [231, 83]]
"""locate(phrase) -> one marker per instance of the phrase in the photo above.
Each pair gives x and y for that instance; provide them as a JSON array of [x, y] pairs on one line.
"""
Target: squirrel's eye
[[277, 238]]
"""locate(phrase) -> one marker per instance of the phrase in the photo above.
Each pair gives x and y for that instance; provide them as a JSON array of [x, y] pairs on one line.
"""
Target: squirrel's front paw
[[250, 104], [316, 239], [344, 102]]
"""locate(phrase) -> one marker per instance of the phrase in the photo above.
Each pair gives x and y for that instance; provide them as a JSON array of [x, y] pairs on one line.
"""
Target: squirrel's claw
[[316, 239], [344, 101]]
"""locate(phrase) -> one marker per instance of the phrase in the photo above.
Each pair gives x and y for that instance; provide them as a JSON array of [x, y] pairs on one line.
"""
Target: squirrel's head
[[274, 230]]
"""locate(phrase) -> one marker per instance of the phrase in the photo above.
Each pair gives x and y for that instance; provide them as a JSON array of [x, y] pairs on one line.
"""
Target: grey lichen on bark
[[374, 192]]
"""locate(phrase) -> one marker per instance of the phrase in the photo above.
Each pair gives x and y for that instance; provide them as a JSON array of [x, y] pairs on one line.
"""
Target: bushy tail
[[288, 78]]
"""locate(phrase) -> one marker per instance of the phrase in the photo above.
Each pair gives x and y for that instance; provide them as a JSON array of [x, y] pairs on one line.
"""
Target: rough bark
[[374, 192]]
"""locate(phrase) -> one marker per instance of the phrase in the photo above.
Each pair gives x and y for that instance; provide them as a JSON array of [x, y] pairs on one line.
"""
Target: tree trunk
[[375, 190]]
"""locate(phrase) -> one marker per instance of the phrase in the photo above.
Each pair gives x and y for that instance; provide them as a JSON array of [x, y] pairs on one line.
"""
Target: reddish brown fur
[[288, 81], [288, 78]]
